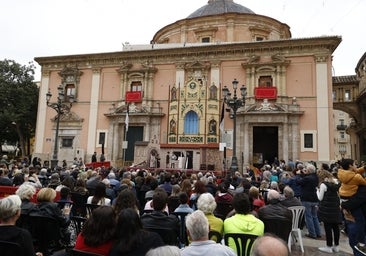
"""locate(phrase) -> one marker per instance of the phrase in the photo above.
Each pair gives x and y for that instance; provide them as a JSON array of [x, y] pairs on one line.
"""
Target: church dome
[[214, 7]]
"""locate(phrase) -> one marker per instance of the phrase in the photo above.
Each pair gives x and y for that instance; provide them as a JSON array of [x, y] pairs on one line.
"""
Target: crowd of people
[[138, 210]]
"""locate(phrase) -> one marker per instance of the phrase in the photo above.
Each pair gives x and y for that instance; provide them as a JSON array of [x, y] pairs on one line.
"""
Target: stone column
[[93, 111]]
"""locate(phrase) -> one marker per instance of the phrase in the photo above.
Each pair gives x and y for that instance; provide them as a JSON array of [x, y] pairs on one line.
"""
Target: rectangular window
[[259, 38], [265, 81], [308, 140], [102, 138], [205, 40], [347, 95], [70, 91], [136, 86], [67, 142]]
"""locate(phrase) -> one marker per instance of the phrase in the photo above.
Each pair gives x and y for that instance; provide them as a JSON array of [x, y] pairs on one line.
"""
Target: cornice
[[222, 51]]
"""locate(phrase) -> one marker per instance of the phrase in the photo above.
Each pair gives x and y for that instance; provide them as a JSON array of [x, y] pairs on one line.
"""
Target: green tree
[[18, 104]]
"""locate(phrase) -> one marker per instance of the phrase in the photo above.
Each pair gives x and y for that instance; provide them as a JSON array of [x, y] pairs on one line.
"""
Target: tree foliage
[[18, 103]]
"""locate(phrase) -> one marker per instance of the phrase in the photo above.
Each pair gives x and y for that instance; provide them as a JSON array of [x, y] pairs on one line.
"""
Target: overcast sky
[[39, 28]]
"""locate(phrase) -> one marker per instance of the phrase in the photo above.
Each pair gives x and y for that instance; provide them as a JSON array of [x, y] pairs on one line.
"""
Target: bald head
[[269, 245]]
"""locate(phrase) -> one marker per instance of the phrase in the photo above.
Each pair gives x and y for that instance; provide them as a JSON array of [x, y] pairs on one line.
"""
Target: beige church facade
[[169, 92]]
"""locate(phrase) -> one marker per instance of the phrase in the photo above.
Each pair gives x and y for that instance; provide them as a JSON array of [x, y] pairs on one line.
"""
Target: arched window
[[191, 123]]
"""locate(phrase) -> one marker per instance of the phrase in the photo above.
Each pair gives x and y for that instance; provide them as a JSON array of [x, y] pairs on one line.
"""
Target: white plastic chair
[[297, 215]]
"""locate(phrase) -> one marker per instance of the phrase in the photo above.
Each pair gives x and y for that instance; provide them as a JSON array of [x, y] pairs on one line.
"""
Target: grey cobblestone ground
[[311, 246]]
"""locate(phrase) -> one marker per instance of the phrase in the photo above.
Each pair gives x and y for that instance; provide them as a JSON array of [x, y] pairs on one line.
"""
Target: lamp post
[[234, 103], [60, 107]]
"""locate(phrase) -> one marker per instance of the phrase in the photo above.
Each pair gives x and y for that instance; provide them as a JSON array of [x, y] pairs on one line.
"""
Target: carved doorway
[[265, 143]]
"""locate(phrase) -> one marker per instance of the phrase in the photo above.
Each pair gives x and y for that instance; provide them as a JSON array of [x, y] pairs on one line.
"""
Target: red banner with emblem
[[265, 92], [133, 96]]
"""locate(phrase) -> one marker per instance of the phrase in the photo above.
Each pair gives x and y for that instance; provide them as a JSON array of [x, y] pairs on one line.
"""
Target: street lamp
[[60, 108], [234, 103]]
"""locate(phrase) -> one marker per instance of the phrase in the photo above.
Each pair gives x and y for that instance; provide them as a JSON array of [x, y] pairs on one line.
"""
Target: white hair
[[9, 207], [206, 203], [25, 191], [310, 168], [273, 194], [197, 225]]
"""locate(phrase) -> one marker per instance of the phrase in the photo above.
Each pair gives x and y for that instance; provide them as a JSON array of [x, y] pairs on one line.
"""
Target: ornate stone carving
[[125, 66], [266, 106], [321, 58], [70, 74], [70, 116], [254, 59], [278, 57]]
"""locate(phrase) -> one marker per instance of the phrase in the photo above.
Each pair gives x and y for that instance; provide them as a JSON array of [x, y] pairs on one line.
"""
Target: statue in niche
[[213, 92], [174, 93], [173, 127], [212, 127], [154, 161]]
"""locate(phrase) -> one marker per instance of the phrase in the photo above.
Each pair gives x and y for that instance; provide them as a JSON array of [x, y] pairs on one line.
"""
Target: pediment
[[266, 106], [70, 117]]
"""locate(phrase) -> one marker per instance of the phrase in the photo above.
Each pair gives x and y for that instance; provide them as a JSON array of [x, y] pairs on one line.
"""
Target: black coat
[[329, 210], [309, 184], [50, 209], [18, 235], [168, 224], [274, 210]]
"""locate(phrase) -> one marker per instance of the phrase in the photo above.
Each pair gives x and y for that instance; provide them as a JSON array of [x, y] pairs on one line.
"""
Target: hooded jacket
[[243, 223], [350, 181]]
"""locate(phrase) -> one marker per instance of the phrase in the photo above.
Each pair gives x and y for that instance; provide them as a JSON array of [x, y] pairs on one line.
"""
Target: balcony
[[265, 92], [341, 127]]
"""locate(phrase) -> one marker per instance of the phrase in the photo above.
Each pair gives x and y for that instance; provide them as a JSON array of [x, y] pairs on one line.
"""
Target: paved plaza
[[311, 246]]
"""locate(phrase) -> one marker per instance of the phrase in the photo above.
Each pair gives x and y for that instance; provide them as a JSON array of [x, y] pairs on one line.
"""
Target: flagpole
[[222, 132], [125, 137]]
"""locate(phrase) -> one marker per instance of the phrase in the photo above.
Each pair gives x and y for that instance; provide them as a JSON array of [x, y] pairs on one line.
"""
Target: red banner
[[265, 92], [133, 96]]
